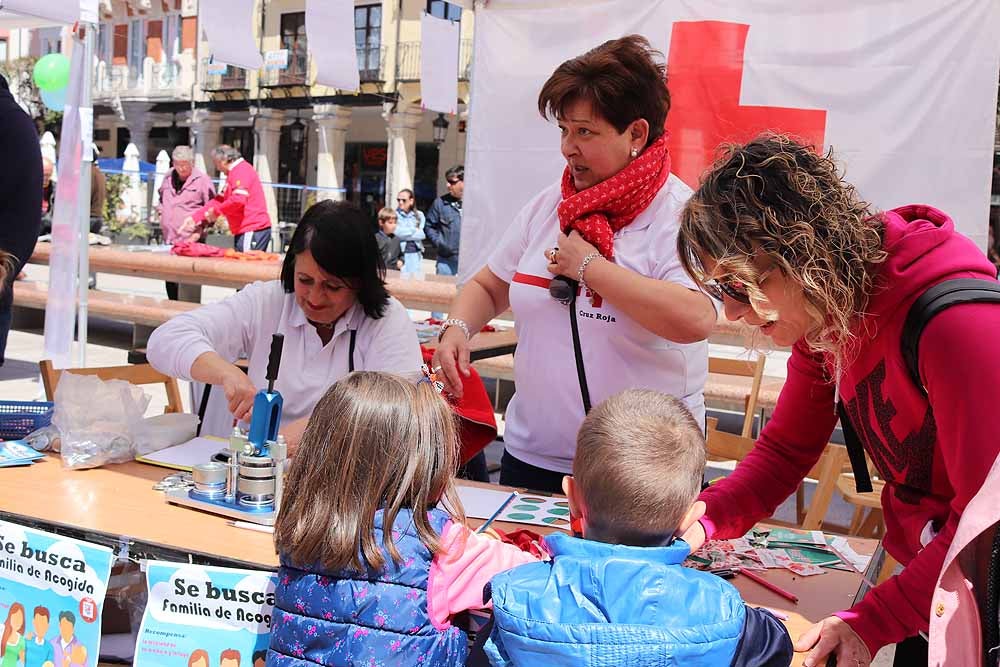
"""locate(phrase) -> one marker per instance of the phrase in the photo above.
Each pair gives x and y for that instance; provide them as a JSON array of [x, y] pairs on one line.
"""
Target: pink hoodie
[[933, 460]]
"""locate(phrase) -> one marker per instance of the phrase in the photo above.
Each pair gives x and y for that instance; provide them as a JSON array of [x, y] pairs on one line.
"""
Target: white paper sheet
[[229, 27], [439, 64], [330, 32], [187, 454]]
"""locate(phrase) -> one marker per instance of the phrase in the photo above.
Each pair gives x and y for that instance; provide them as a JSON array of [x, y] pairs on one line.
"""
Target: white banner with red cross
[[905, 92]]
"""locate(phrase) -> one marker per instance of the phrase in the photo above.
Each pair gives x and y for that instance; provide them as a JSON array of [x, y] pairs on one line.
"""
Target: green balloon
[[52, 72]]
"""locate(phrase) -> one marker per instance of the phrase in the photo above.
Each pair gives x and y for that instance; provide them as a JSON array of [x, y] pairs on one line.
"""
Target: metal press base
[[264, 517]]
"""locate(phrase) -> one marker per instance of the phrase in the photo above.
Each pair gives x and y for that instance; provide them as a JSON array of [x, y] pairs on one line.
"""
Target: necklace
[[328, 326]]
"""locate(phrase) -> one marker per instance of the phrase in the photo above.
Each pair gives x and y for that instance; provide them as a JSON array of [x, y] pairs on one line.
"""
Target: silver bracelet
[[455, 322], [583, 267]]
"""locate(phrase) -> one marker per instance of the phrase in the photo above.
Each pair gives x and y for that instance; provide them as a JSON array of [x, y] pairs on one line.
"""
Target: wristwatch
[[454, 322]]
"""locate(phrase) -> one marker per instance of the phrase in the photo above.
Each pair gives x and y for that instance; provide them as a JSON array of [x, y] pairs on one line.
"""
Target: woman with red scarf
[[606, 235]]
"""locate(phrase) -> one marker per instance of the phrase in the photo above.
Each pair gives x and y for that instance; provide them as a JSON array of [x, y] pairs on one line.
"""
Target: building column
[[139, 122], [332, 121], [206, 127], [267, 124], [401, 128]]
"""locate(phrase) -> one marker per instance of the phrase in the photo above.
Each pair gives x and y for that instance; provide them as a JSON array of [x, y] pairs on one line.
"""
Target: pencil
[[251, 526], [503, 506], [774, 588]]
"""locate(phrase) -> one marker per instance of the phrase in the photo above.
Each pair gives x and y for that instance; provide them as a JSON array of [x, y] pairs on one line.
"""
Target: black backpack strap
[[933, 301], [855, 452]]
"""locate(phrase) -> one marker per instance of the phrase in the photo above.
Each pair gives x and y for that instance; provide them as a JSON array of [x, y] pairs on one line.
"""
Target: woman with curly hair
[[789, 247]]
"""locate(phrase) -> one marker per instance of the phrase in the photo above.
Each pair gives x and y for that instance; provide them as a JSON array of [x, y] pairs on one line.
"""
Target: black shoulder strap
[[350, 351], [933, 301]]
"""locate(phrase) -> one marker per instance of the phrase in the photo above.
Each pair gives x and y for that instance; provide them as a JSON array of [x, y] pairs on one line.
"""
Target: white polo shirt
[[240, 327], [546, 411]]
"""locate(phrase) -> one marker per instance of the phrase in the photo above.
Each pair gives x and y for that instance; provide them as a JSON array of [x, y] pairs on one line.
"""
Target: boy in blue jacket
[[620, 595]]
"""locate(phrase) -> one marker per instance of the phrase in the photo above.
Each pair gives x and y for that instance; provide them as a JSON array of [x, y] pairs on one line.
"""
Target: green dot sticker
[[531, 500], [561, 503], [519, 516], [525, 508], [555, 521], [559, 510]]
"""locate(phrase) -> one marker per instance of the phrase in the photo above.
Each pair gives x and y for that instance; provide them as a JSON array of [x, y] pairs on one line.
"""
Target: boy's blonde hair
[[386, 213], [374, 441], [640, 457]]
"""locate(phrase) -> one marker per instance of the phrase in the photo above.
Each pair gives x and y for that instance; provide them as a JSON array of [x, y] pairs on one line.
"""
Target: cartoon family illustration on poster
[[200, 616], [51, 598]]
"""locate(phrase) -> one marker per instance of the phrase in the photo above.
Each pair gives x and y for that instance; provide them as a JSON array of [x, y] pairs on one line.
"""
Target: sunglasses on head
[[457, 180]]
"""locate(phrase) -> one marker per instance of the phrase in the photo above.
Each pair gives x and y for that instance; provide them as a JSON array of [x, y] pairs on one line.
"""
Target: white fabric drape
[[60, 313], [439, 64], [330, 32], [908, 91], [230, 28], [55, 11]]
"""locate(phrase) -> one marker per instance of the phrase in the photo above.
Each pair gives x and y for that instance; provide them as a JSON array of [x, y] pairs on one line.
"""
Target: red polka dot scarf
[[601, 210]]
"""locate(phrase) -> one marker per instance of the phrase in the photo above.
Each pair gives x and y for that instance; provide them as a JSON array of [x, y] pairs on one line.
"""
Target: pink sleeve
[[961, 378], [789, 445], [463, 567]]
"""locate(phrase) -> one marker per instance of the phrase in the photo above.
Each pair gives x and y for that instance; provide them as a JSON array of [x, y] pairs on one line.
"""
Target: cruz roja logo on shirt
[[597, 316]]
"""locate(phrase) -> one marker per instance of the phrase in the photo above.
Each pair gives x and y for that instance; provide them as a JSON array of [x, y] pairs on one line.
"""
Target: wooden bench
[[143, 312], [721, 391]]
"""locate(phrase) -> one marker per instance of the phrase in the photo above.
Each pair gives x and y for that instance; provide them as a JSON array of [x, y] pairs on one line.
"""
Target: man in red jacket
[[240, 200]]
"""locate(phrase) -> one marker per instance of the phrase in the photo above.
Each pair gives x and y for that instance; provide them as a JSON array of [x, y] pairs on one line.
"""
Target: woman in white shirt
[[611, 226], [330, 303]]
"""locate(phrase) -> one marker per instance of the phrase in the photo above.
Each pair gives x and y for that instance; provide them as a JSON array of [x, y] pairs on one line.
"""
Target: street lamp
[[297, 133], [440, 125]]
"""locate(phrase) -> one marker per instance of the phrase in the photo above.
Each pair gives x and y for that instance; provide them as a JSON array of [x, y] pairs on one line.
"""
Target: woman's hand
[[833, 636], [240, 392], [571, 253], [452, 356]]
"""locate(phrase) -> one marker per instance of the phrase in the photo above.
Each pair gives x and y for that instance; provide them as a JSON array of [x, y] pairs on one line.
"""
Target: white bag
[[97, 419]]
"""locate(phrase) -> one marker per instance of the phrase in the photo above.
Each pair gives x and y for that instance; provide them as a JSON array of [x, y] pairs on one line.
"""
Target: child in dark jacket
[[388, 244], [372, 571], [620, 595]]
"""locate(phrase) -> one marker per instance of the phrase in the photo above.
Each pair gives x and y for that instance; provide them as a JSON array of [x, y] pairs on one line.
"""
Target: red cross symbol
[[705, 74]]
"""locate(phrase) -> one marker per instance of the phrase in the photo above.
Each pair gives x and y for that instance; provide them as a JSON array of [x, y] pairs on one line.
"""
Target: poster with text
[[51, 597], [200, 616]]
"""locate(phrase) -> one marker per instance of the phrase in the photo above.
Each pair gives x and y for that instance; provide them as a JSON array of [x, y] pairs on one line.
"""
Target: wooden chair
[[826, 472], [867, 520], [137, 374], [724, 446], [742, 368]]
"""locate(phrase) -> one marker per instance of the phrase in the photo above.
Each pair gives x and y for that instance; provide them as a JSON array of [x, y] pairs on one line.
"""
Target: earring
[[635, 152]]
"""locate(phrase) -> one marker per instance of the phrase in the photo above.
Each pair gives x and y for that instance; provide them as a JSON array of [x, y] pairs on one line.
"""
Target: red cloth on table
[[191, 249], [477, 423]]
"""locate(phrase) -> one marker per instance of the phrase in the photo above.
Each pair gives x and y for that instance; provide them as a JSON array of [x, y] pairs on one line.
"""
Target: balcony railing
[[371, 63], [156, 79], [409, 60], [296, 74], [232, 80]]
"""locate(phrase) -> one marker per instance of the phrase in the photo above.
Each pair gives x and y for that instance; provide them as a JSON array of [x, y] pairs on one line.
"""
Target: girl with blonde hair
[[372, 567]]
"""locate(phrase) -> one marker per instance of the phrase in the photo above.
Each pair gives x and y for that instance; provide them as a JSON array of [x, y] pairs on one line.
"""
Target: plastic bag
[[156, 433], [97, 419]]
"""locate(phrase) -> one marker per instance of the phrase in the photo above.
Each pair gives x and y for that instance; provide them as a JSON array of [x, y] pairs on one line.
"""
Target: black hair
[[67, 615], [341, 241], [458, 171], [258, 655]]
